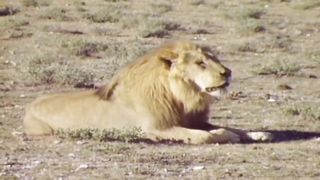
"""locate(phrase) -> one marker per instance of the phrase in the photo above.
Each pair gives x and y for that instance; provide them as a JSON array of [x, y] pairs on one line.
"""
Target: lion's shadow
[[292, 135]]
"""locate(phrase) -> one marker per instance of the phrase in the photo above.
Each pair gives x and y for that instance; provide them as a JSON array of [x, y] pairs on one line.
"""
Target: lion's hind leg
[[35, 126]]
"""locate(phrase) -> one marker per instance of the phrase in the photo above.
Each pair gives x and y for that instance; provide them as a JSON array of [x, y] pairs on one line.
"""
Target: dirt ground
[[272, 47]]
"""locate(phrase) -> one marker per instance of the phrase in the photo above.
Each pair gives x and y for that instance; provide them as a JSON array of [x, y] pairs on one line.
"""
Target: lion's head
[[198, 66]]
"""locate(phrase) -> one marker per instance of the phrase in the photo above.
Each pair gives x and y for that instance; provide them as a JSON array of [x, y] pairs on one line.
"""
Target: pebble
[[197, 168]]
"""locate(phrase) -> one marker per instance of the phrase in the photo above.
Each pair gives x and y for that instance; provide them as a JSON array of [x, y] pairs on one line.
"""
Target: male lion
[[166, 93]]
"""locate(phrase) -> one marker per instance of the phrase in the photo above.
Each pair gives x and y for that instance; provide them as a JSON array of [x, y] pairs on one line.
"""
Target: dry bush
[[278, 68], [56, 13], [36, 3], [148, 26], [109, 14], [46, 69], [247, 19], [305, 111]]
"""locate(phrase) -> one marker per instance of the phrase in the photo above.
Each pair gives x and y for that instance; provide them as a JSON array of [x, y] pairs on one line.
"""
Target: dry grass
[[278, 68], [126, 135], [109, 14], [46, 69], [305, 111]]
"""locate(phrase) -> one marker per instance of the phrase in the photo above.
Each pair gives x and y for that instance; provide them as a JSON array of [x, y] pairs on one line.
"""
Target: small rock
[[81, 142], [82, 166], [71, 155], [57, 142], [197, 168], [284, 87]]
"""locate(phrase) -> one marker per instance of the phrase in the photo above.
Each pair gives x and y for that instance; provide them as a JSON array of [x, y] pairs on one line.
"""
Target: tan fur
[[163, 93]]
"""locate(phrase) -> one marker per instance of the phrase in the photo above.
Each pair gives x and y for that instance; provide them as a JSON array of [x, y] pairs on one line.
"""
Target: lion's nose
[[226, 73]]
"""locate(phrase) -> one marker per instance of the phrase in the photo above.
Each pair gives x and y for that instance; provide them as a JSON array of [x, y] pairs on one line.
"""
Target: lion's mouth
[[211, 89]]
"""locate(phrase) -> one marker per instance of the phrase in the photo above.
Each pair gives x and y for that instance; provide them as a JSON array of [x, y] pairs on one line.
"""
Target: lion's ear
[[168, 57]]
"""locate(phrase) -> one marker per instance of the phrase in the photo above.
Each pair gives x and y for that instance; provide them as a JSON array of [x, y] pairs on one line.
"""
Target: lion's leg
[[35, 126], [192, 136], [245, 136]]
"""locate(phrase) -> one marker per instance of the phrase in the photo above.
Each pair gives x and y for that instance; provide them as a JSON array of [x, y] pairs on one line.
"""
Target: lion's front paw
[[225, 136], [260, 136]]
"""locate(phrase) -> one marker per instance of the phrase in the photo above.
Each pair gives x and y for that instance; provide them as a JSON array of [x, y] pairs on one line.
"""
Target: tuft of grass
[[147, 26], [55, 13], [15, 34], [278, 68], [115, 0], [48, 70], [126, 135], [161, 8], [248, 26], [109, 148], [243, 13], [315, 57], [197, 2], [307, 4], [84, 48], [35, 3], [305, 111], [13, 22], [109, 14], [246, 18]]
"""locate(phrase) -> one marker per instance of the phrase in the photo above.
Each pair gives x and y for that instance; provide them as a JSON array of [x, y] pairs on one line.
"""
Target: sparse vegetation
[[197, 2], [240, 13], [305, 111], [35, 3], [55, 13], [161, 8], [110, 14], [126, 135], [247, 19], [48, 70], [307, 4], [13, 22], [316, 57], [278, 68], [83, 48], [147, 26]]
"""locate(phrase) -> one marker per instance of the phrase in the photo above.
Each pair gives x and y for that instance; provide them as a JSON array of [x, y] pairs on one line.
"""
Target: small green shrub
[[127, 135]]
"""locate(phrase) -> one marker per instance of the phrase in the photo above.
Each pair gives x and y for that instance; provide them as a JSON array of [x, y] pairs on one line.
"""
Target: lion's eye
[[201, 63]]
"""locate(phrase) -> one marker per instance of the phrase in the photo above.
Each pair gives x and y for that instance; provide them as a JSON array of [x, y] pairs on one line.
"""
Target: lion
[[166, 93]]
